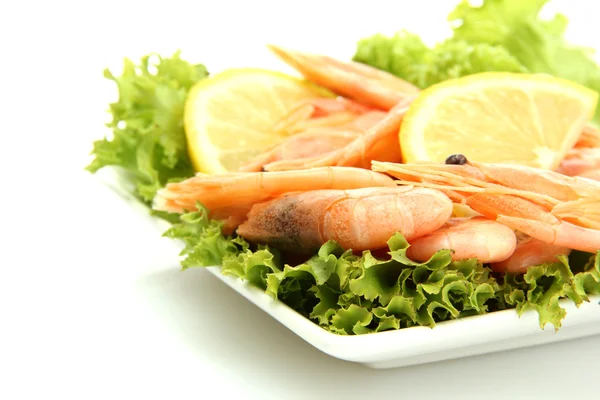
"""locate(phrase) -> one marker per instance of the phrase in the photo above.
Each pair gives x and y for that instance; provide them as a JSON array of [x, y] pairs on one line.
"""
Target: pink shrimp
[[229, 197], [477, 237], [380, 142], [529, 252], [356, 81], [314, 142], [584, 159], [321, 113], [353, 80], [546, 205], [358, 219]]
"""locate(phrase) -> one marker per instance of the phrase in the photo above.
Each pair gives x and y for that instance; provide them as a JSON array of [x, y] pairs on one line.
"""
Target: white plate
[[497, 331], [501, 330]]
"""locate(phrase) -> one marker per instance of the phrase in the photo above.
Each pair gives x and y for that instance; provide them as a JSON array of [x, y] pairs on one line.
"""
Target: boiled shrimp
[[352, 80], [546, 205], [590, 137], [229, 197], [380, 142], [477, 237], [529, 252], [358, 219], [321, 113], [584, 159], [313, 142], [583, 162], [355, 81]]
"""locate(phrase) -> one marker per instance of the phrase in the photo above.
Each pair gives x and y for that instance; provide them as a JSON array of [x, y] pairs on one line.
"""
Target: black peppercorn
[[457, 159]]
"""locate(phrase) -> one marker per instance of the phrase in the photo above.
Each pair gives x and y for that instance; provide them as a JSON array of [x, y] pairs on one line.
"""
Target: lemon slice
[[228, 117], [497, 117]]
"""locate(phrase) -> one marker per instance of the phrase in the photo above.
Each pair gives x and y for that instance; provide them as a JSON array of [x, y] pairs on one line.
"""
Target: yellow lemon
[[497, 117], [228, 117]]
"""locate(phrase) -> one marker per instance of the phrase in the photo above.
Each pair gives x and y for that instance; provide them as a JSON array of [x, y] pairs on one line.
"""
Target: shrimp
[[320, 112], [477, 237], [584, 159], [358, 219], [529, 252], [590, 137], [353, 80], [229, 197], [364, 84], [546, 205], [380, 142], [313, 142], [583, 162]]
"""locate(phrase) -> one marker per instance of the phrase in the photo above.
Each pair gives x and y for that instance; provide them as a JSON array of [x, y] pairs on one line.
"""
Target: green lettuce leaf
[[148, 140], [407, 57], [542, 287], [351, 294]]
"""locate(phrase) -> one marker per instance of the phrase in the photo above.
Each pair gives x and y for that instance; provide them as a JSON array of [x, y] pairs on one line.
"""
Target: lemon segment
[[228, 117], [497, 117]]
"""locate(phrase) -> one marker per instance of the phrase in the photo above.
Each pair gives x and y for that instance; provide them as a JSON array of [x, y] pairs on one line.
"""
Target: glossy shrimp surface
[[358, 219], [546, 205], [477, 237]]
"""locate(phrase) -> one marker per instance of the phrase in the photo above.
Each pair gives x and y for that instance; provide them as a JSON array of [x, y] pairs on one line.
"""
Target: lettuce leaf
[[499, 35], [541, 287], [350, 294], [406, 56], [148, 140]]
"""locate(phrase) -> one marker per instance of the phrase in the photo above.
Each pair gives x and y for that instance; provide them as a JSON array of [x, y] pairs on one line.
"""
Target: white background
[[92, 301]]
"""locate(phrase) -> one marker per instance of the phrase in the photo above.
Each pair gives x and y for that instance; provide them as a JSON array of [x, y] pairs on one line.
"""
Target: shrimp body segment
[[358, 219], [477, 237], [546, 205]]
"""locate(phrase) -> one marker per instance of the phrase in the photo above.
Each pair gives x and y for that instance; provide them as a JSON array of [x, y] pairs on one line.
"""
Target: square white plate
[[497, 331]]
